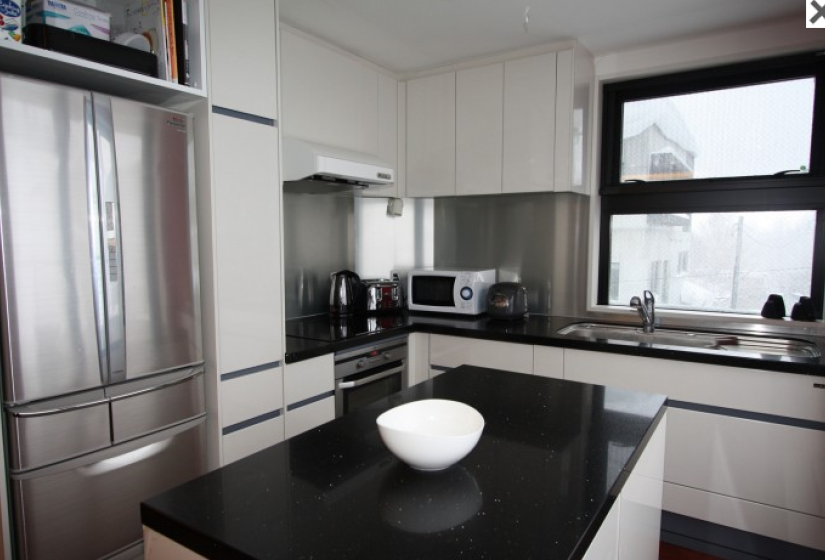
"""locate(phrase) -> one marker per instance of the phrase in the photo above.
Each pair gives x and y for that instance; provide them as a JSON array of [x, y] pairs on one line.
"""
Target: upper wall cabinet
[[431, 136], [54, 66], [333, 98], [327, 96], [478, 129], [529, 124], [235, 57], [516, 126], [574, 92]]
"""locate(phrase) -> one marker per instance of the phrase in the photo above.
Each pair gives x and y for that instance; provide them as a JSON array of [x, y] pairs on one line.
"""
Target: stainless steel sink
[[696, 341]]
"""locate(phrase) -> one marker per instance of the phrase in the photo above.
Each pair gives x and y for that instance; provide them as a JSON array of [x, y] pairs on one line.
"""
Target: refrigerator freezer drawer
[[56, 430], [180, 397], [91, 507]]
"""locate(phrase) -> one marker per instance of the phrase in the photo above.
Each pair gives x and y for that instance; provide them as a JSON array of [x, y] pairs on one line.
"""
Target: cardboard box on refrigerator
[[67, 15]]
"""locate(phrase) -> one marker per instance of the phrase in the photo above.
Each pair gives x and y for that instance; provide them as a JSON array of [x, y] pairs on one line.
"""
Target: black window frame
[[726, 194]]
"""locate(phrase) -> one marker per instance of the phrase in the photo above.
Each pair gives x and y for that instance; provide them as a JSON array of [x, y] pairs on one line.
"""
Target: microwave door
[[49, 240]]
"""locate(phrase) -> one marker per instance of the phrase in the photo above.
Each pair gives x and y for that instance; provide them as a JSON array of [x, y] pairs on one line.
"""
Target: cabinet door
[[431, 136], [548, 361], [327, 96], [243, 56], [247, 238], [479, 108], [529, 124], [453, 351], [387, 134]]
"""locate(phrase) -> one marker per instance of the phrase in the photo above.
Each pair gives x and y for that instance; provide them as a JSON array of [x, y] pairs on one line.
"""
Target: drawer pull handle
[[819, 385]]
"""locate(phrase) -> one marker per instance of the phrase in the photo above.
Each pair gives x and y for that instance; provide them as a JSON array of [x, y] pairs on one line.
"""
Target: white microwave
[[449, 291]]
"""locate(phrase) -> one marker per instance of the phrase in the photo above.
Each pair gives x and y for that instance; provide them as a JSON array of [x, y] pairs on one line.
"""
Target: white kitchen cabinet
[[529, 144], [244, 442], [418, 358], [575, 76], [247, 243], [251, 414], [431, 136], [631, 530], [479, 109], [640, 516], [511, 127], [239, 207], [251, 394], [759, 519], [160, 547], [548, 361], [388, 98], [453, 351], [328, 96], [722, 386], [605, 545], [726, 464], [309, 392], [237, 56], [740, 462]]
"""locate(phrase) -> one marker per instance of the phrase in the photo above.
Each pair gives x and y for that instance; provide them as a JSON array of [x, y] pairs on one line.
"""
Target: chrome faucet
[[646, 309]]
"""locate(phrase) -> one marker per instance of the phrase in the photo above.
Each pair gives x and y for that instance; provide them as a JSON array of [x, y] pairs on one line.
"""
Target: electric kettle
[[345, 295]]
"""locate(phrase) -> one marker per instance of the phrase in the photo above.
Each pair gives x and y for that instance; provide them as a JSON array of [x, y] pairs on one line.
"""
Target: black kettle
[[345, 294]]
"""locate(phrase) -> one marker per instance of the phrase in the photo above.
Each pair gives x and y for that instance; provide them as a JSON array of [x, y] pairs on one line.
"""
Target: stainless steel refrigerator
[[102, 364]]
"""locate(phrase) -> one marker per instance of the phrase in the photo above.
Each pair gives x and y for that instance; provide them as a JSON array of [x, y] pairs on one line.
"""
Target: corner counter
[[552, 461]]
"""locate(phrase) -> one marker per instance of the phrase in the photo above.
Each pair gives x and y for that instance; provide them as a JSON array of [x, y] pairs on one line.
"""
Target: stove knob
[[386, 355], [360, 363]]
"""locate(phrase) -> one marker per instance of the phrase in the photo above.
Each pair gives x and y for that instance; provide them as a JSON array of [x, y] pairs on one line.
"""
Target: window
[[713, 186]]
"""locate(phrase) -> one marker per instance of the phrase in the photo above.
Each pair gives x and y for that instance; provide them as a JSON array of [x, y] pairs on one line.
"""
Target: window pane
[[728, 262], [737, 132]]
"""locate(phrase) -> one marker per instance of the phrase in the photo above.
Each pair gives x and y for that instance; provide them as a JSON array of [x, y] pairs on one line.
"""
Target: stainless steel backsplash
[[537, 239]]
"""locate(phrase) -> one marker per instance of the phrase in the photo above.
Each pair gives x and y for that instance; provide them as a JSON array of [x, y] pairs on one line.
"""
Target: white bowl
[[431, 434]]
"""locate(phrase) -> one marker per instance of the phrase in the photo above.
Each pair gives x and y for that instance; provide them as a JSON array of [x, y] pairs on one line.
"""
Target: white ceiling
[[411, 35]]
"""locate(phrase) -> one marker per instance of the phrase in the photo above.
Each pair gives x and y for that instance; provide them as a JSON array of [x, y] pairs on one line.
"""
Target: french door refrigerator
[[102, 364]]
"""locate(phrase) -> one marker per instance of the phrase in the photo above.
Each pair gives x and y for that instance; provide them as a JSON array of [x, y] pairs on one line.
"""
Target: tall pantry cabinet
[[240, 232]]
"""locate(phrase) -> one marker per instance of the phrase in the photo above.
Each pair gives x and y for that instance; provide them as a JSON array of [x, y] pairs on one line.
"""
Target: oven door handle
[[370, 379]]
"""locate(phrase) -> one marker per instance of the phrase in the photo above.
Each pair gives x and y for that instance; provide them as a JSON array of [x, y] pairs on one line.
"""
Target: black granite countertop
[[315, 336], [552, 458]]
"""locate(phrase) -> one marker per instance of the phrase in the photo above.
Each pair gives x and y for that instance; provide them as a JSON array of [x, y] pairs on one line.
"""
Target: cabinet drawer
[[728, 387], [309, 378], [451, 351], [772, 464], [777, 523], [249, 440], [250, 395], [307, 417]]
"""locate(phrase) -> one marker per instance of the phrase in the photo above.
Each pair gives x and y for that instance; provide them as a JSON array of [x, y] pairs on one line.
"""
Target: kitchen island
[[553, 461]]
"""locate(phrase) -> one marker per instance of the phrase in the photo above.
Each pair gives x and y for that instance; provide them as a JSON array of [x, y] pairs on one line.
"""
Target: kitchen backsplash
[[537, 239]]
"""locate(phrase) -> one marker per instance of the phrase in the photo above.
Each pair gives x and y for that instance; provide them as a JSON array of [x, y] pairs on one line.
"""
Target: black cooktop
[[328, 328]]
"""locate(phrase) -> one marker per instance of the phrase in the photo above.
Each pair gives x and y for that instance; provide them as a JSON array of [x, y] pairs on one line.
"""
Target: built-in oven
[[369, 372]]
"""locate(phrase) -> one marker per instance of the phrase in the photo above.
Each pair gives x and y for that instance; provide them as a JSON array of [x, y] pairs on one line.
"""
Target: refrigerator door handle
[[33, 411], [95, 238], [111, 240]]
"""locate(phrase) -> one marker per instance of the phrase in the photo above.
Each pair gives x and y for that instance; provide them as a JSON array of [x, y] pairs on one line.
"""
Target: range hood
[[331, 168]]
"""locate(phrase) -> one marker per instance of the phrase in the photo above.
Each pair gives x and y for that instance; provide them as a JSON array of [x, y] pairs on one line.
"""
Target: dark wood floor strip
[[672, 552]]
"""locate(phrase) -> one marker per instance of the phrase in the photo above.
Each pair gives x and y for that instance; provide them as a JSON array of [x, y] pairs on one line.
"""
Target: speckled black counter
[[553, 456], [316, 336]]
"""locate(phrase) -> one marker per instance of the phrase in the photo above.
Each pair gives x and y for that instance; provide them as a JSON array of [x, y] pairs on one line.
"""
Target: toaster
[[507, 300]]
